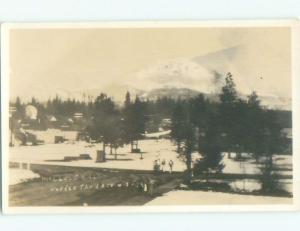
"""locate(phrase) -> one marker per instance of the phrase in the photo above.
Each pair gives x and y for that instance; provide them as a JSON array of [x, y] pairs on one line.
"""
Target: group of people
[[161, 165]]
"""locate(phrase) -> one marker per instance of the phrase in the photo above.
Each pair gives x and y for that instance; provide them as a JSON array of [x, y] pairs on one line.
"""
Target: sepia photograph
[[149, 117]]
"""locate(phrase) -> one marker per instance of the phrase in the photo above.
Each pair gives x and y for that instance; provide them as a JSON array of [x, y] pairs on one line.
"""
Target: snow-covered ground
[[157, 134], [48, 136], [250, 166], [245, 167], [152, 150], [157, 149], [183, 197], [17, 176]]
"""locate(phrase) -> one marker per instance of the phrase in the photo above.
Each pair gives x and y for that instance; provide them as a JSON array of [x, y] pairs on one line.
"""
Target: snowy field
[[152, 150], [160, 149], [183, 197], [249, 166]]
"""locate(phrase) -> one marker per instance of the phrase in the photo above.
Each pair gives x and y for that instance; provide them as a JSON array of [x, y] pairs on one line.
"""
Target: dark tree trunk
[[189, 167], [229, 155], [104, 146], [256, 156], [116, 154], [178, 146], [271, 162]]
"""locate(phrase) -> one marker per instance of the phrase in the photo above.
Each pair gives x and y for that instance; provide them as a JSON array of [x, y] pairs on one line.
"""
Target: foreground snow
[[17, 176], [158, 149], [250, 166], [183, 197]]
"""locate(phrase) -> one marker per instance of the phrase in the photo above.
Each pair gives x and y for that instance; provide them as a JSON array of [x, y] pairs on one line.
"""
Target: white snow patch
[[244, 167], [157, 134], [17, 176]]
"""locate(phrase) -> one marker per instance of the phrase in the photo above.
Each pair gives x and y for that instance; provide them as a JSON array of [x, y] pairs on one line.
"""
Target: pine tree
[[254, 124], [104, 117], [19, 113], [115, 133], [210, 147], [272, 141], [189, 146], [228, 98], [179, 121], [134, 121], [127, 99], [198, 107], [229, 93], [183, 132]]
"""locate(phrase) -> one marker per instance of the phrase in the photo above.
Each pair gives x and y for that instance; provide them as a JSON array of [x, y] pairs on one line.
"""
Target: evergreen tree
[[210, 147], [198, 107], [115, 134], [127, 99], [104, 117], [239, 129], [229, 93], [228, 98], [19, 113], [34, 102], [272, 141], [254, 124], [179, 122], [189, 146], [134, 122]]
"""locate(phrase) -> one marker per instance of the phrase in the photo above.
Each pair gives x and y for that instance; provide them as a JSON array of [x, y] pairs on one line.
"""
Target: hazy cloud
[[180, 73]]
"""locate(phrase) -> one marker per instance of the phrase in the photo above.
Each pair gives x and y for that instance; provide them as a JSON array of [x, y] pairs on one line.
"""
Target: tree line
[[232, 125]]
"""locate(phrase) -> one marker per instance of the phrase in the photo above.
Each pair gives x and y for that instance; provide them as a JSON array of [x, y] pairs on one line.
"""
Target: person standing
[[163, 163], [151, 187], [171, 164], [156, 166]]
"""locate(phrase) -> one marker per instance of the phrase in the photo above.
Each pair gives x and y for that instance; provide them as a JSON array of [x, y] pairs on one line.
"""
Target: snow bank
[[17, 176], [157, 134]]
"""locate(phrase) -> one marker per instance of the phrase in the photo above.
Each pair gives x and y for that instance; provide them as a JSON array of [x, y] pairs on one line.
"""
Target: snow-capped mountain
[[187, 77]]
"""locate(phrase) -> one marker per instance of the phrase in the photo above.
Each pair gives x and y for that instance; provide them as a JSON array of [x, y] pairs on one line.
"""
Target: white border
[[295, 30]]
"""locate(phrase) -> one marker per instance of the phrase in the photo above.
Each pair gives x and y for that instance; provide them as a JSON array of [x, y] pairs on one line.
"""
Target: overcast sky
[[44, 62]]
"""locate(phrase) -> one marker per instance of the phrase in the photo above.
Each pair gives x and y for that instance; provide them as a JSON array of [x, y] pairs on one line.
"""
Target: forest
[[231, 125]]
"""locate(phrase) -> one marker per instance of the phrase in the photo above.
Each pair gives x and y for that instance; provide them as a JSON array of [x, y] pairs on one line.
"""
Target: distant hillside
[[118, 92], [272, 102], [174, 93]]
